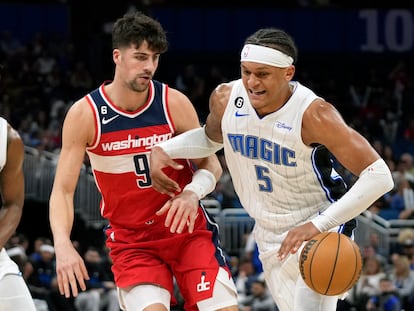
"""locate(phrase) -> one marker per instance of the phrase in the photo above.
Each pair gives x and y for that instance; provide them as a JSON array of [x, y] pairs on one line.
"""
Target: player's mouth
[[256, 94]]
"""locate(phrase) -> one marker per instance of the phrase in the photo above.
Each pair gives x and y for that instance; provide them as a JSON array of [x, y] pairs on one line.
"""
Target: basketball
[[330, 263]]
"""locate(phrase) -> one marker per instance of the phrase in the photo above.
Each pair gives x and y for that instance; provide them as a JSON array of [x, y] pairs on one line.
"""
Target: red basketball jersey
[[120, 156]]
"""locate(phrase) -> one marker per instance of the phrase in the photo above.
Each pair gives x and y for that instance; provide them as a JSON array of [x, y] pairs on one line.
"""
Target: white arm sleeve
[[373, 182], [193, 144]]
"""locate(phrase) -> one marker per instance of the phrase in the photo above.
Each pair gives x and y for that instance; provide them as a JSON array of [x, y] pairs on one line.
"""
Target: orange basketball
[[330, 263]]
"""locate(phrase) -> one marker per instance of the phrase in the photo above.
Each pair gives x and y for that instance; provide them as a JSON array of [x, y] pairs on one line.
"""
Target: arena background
[[339, 43]]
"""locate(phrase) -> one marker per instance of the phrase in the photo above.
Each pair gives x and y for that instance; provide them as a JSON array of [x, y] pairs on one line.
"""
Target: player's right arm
[[193, 144], [78, 130]]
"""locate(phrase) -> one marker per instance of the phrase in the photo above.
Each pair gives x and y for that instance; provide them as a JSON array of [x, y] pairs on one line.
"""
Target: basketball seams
[[313, 256], [330, 263], [338, 247]]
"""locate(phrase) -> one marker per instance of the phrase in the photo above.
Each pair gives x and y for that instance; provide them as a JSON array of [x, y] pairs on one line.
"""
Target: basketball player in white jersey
[[14, 294], [279, 141]]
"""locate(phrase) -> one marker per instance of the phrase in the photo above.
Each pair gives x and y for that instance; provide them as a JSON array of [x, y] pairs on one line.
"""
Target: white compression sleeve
[[192, 144], [373, 182]]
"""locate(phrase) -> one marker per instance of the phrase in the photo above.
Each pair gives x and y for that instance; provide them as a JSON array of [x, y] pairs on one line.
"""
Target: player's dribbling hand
[[70, 270], [294, 239], [182, 211], [160, 181]]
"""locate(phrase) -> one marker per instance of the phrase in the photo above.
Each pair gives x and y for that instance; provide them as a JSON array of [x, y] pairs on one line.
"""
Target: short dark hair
[[276, 39], [135, 28]]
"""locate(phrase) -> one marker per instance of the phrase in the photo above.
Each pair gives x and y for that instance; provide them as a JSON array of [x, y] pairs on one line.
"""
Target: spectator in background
[[406, 244], [402, 277], [259, 299], [405, 168], [101, 292], [386, 300], [37, 243], [42, 282], [368, 283], [245, 276]]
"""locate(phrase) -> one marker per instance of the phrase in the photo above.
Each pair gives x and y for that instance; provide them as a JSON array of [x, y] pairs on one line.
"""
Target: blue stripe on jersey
[[334, 186]]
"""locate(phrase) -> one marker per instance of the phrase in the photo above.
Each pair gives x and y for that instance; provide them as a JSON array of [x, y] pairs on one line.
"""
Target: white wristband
[[202, 184], [373, 182]]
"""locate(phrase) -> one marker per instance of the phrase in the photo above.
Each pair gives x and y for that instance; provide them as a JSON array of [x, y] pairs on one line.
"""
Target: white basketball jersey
[[6, 264], [3, 142], [280, 181]]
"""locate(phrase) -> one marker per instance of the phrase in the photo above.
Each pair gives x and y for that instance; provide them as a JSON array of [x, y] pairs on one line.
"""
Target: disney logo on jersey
[[136, 142], [283, 125]]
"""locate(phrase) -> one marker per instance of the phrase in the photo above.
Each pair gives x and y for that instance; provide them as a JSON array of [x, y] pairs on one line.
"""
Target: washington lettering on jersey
[[254, 147], [137, 142]]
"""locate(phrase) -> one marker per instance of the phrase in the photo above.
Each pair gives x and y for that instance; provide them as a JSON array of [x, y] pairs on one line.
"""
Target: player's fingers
[[163, 209], [284, 249], [170, 215], [166, 186], [179, 221], [296, 247], [183, 222], [73, 285], [60, 284], [63, 283], [191, 223], [81, 274], [175, 165]]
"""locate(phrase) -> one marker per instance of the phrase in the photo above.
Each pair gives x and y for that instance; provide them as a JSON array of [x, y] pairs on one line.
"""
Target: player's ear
[[116, 56], [290, 72]]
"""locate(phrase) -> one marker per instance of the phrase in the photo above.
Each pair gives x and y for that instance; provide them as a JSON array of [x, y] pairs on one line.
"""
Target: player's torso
[[120, 155], [279, 180]]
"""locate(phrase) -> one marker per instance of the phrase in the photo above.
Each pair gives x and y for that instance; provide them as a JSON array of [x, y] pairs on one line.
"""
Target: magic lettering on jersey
[[254, 147], [135, 142]]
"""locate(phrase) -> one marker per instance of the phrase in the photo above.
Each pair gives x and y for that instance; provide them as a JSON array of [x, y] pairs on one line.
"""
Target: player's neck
[[125, 98]]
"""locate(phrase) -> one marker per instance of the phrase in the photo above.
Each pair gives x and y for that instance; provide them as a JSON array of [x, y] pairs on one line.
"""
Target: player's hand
[[294, 239], [182, 211], [70, 270], [160, 181]]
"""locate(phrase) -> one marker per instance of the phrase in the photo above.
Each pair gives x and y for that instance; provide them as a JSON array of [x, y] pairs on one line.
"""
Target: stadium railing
[[235, 223]]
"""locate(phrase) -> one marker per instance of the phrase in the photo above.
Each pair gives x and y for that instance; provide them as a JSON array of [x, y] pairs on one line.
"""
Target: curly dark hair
[[135, 28]]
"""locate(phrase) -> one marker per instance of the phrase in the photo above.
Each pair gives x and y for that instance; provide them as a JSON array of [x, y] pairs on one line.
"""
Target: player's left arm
[[323, 124], [11, 187], [182, 210]]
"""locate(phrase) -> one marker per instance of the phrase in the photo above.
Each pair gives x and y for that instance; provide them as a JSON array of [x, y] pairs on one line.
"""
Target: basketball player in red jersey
[[116, 125]]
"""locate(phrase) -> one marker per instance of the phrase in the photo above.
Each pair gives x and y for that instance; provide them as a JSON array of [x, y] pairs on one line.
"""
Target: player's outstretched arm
[[192, 143], [356, 154], [77, 130]]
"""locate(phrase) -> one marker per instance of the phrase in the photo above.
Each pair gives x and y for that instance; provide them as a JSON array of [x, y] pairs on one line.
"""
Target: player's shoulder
[[222, 91], [176, 96], [224, 87], [321, 110]]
